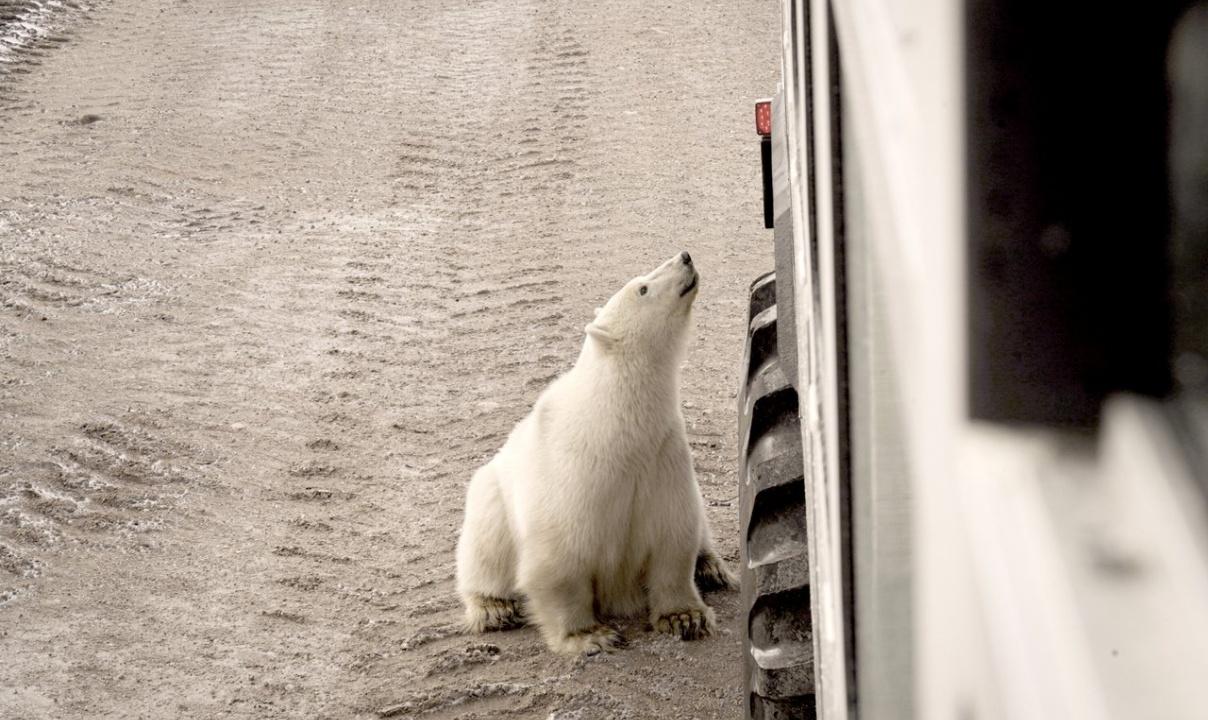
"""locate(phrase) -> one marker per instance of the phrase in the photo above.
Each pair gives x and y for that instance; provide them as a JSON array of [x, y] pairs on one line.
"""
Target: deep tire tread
[[778, 634]]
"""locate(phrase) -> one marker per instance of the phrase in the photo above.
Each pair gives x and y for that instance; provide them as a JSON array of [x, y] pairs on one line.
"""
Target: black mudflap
[[778, 658]]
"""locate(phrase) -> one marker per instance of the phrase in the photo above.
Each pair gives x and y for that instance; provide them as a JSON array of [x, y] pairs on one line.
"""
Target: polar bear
[[591, 508]]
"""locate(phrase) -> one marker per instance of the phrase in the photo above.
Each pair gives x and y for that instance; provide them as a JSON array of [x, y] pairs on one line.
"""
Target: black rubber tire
[[778, 656]]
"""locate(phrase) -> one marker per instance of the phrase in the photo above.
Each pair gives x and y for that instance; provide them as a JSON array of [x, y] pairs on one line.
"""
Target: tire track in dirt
[[109, 484], [94, 477], [31, 28]]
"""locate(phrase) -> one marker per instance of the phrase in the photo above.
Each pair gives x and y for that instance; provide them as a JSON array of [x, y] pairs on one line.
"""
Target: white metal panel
[[903, 89], [823, 491], [1138, 563], [881, 478], [1019, 581]]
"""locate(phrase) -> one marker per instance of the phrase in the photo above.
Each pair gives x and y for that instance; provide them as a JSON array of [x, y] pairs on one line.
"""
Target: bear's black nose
[[686, 258]]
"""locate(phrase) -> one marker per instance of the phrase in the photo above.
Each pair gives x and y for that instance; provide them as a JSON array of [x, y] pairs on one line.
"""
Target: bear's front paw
[[592, 641], [689, 624]]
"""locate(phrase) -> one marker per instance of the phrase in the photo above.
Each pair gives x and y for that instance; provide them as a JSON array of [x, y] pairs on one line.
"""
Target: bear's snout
[[685, 258]]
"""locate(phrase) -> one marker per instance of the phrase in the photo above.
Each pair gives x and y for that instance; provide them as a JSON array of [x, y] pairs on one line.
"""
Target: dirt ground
[[276, 277]]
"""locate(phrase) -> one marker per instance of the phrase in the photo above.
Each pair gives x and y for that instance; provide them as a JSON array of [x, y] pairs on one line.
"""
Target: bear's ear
[[601, 334], [598, 311]]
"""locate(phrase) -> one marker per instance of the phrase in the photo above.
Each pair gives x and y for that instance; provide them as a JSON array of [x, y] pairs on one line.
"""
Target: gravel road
[[275, 277]]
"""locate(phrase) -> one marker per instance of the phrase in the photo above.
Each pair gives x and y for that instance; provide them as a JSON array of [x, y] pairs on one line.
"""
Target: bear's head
[[651, 313]]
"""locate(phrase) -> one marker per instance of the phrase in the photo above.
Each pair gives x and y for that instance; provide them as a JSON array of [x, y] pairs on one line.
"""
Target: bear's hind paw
[[592, 641], [484, 613], [712, 574], [689, 624]]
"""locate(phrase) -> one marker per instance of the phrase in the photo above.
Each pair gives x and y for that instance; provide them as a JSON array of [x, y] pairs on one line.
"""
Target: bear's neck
[[638, 381]]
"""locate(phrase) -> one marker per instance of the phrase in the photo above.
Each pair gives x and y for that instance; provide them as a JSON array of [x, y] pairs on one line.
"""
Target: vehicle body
[[975, 440]]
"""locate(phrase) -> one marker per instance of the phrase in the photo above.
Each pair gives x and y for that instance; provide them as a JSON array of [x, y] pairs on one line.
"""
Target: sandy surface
[[275, 277]]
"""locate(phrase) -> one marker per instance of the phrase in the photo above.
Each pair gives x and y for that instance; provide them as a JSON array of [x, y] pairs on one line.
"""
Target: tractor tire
[[778, 657]]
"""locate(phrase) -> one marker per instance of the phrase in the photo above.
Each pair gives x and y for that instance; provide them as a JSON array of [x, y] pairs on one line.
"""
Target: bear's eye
[[642, 290]]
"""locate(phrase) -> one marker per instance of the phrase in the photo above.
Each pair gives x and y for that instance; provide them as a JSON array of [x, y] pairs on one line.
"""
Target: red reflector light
[[763, 117]]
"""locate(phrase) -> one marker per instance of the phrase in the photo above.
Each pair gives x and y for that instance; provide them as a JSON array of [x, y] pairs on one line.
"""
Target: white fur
[[591, 508]]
